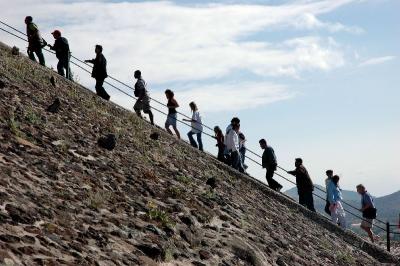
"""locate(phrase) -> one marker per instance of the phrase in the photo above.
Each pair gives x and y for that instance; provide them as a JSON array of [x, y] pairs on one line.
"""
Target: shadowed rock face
[[65, 200]]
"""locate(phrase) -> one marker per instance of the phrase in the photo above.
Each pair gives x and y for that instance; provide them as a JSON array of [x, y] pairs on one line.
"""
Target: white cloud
[[231, 96], [188, 43], [310, 21], [377, 60]]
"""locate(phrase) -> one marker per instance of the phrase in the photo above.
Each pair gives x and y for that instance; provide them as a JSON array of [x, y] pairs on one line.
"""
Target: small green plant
[[31, 116], [14, 125], [209, 194], [175, 191], [156, 214], [183, 179], [345, 258], [96, 200]]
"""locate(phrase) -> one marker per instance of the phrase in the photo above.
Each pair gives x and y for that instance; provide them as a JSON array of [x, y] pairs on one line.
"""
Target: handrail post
[[388, 236]]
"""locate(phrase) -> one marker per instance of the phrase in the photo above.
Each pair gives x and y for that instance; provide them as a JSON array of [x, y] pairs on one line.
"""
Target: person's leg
[[151, 117], [235, 160], [220, 155], [60, 67], [301, 198], [98, 86], [191, 139], [199, 140], [310, 201], [68, 73], [342, 216], [327, 204], [39, 54], [137, 108], [367, 228], [31, 55], [271, 181]]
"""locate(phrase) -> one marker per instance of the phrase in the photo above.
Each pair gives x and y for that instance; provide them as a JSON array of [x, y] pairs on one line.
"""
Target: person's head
[[28, 19], [169, 94], [263, 143], [236, 127], [360, 189], [329, 173], [98, 49], [137, 74], [298, 162], [235, 120], [56, 34], [193, 106], [217, 130], [335, 179]]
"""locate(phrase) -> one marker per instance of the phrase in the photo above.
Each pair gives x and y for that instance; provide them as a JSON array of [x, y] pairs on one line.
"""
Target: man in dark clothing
[[99, 72], [35, 41], [269, 162], [304, 185], [61, 48], [143, 100]]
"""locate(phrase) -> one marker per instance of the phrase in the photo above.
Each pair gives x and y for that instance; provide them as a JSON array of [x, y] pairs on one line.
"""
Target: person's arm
[[367, 205], [90, 61], [292, 172]]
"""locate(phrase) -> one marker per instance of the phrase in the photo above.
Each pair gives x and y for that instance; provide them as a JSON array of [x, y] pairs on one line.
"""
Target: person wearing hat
[[99, 72], [61, 48], [35, 41]]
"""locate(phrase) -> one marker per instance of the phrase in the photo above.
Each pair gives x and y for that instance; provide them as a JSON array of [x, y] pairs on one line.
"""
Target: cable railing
[[74, 61]]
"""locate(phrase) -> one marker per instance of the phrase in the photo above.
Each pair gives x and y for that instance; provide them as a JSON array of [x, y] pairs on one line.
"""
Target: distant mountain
[[388, 206]]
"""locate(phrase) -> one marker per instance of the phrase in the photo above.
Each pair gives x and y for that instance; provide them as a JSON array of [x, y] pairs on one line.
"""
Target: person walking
[[219, 136], [143, 99], [368, 210], [335, 201], [99, 71], [329, 174], [35, 41], [232, 145], [269, 163], [305, 186], [234, 121], [61, 47], [172, 117], [197, 127], [242, 149]]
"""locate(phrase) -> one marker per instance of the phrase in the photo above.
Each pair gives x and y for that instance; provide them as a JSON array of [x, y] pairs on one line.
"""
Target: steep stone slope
[[64, 200]]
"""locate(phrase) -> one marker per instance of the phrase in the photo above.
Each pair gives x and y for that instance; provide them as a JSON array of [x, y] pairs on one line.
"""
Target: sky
[[317, 79]]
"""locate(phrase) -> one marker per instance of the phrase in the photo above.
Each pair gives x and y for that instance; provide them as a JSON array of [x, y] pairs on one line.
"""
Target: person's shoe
[[279, 188]]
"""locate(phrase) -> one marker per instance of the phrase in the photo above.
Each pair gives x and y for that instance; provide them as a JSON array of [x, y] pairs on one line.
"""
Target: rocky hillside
[[66, 201]]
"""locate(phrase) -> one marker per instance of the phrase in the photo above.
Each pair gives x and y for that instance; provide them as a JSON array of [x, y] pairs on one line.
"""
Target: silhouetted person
[[219, 136], [368, 210], [269, 163], [304, 185], [335, 201], [232, 145], [99, 71], [143, 100], [35, 41], [197, 127], [329, 174], [61, 48], [234, 121], [172, 104]]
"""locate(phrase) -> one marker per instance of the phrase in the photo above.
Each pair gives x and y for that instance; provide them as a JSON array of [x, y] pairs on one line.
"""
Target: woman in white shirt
[[197, 127]]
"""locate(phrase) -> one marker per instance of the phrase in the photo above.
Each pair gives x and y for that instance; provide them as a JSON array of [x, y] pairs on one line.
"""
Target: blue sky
[[317, 79]]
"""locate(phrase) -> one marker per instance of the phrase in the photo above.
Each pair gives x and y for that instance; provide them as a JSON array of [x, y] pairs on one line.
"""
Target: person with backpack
[[35, 41], [143, 99], [305, 186], [232, 146], [335, 201], [99, 71], [368, 210], [219, 136], [172, 104], [329, 174], [269, 163], [63, 54], [197, 127]]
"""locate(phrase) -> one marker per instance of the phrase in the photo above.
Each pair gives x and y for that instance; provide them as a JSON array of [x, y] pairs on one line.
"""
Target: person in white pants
[[335, 198]]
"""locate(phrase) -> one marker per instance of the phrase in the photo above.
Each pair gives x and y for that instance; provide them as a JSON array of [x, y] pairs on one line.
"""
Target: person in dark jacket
[[61, 47], [143, 99], [305, 186], [35, 41], [99, 71], [219, 136], [269, 163]]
